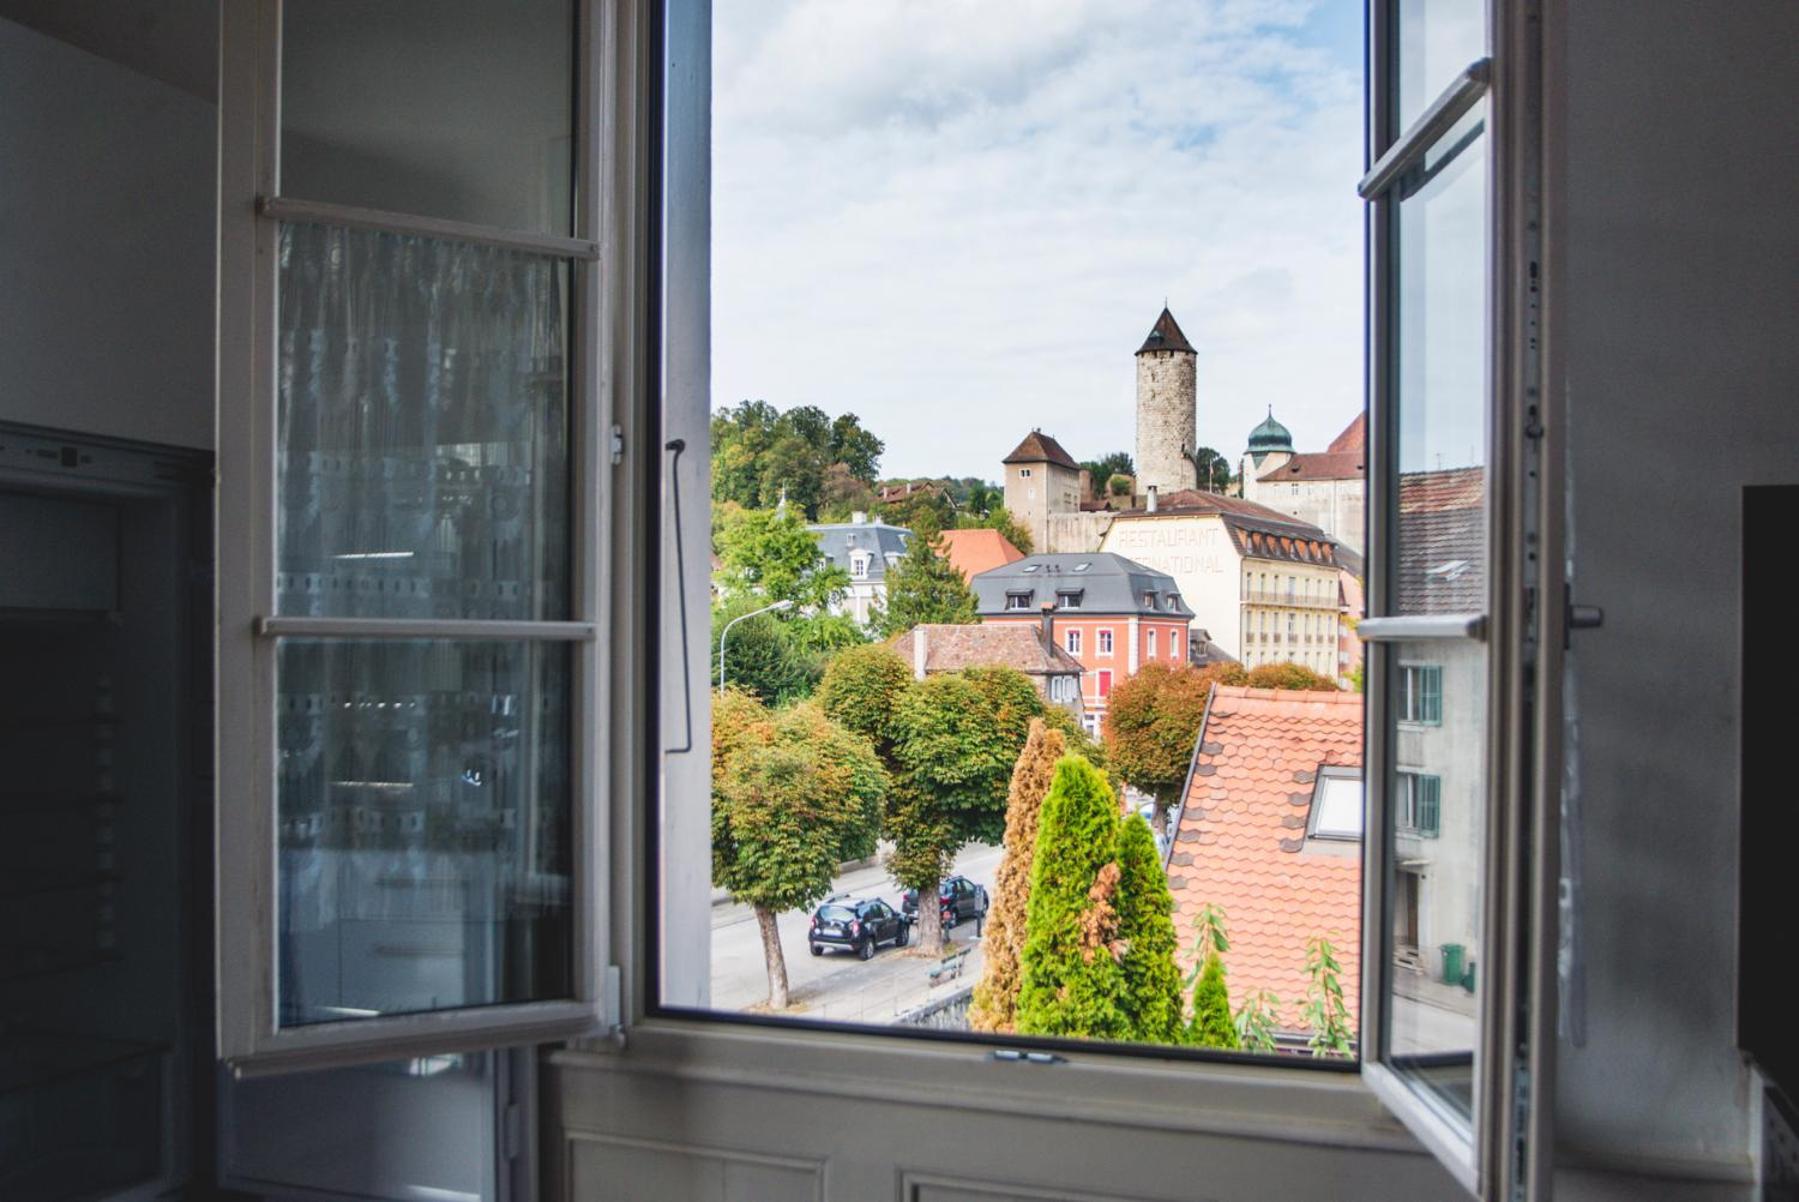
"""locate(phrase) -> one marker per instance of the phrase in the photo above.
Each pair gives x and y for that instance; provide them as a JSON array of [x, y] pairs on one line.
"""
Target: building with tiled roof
[[1262, 584], [972, 552], [1327, 489], [1108, 612], [1269, 831], [1041, 480], [1032, 650]]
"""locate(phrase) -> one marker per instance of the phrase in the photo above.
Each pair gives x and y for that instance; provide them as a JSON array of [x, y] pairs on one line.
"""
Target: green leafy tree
[[764, 655], [1120, 485], [1152, 998], [1151, 723], [955, 738], [769, 553], [1211, 470], [1327, 1016], [861, 690], [760, 454], [791, 790], [1072, 980], [1101, 470], [995, 1003], [1257, 1020], [1288, 675], [1000, 518], [1211, 1025], [925, 587]]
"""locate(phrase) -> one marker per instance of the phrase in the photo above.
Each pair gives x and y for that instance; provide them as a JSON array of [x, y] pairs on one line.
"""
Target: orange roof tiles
[[1319, 465], [972, 552], [1354, 437], [1241, 845]]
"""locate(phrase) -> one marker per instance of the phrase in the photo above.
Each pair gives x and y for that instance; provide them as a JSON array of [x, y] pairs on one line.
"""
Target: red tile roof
[[1319, 465], [1241, 845], [972, 552], [1354, 437], [1039, 447]]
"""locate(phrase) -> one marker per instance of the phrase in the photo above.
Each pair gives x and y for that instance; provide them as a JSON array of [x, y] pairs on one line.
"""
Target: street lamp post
[[776, 606]]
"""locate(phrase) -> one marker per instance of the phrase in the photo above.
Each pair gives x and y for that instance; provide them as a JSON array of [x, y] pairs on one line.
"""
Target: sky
[[958, 219]]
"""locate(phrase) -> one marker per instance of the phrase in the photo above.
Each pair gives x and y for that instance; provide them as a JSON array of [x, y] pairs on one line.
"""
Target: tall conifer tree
[[1152, 998], [996, 996]]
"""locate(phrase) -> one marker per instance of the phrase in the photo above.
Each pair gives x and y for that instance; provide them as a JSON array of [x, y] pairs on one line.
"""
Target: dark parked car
[[858, 926], [957, 898]]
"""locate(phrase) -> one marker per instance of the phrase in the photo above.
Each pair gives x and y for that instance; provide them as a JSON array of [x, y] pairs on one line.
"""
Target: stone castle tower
[[1167, 408]]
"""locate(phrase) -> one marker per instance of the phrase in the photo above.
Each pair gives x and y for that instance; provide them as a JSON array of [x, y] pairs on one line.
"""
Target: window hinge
[[618, 444], [615, 1009], [512, 1131]]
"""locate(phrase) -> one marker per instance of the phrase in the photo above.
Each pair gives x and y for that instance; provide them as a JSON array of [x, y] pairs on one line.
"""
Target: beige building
[[1326, 489], [1041, 479], [1263, 586]]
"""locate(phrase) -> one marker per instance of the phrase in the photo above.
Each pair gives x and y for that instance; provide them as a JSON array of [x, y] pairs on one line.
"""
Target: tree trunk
[[1159, 823], [771, 955], [930, 919]]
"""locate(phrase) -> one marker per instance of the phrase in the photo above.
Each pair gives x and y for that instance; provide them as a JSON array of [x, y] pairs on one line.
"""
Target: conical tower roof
[[1166, 336]]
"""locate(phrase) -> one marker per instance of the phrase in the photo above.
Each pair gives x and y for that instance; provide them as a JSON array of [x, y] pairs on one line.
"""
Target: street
[[836, 985]]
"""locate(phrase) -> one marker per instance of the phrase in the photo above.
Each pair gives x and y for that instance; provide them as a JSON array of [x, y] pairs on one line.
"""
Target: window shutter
[[1427, 794]]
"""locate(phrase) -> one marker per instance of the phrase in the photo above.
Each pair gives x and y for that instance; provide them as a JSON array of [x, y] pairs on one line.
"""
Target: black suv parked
[[957, 897], [857, 925]]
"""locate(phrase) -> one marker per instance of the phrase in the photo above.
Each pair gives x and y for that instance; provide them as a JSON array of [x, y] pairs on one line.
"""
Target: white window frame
[[1071, 641], [1506, 1149], [602, 355], [1103, 641]]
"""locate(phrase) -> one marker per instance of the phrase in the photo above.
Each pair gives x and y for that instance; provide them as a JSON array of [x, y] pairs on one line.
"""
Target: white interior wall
[[106, 246], [1682, 371]]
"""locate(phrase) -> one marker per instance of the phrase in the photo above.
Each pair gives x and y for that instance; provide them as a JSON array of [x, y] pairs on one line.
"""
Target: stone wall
[[1166, 419], [947, 1013]]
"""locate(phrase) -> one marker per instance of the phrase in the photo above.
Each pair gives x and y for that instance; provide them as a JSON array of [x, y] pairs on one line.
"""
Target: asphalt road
[[836, 985]]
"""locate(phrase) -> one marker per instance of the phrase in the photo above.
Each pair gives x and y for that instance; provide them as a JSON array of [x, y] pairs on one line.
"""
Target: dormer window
[[1149, 599], [859, 566], [1069, 598], [1016, 601]]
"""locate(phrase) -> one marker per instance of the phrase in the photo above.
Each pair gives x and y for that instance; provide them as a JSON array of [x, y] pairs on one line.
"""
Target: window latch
[[1580, 617], [1016, 1056]]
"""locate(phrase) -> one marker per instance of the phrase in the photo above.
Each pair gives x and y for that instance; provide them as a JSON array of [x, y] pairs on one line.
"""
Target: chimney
[[1048, 610], [1152, 498], [859, 518], [918, 652]]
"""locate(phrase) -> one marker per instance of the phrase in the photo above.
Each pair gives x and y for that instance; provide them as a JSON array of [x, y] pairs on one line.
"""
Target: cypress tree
[[1071, 977], [1152, 999], [995, 1002], [1212, 1025]]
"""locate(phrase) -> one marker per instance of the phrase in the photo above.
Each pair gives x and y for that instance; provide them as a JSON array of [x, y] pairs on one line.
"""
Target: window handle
[[1585, 617], [1420, 627], [676, 446]]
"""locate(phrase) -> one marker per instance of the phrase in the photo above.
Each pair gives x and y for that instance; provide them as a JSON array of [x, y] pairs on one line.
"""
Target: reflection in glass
[[1442, 378], [1437, 40], [1437, 703], [424, 458], [1437, 797], [462, 109], [424, 826]]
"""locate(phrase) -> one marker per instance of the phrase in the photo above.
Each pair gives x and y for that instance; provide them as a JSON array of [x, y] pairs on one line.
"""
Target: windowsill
[[1292, 1105]]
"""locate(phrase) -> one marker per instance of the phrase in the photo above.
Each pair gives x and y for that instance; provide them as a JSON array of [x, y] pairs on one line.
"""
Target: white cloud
[[959, 219]]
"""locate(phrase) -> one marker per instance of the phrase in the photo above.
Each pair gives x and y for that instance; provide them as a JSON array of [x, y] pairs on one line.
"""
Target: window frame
[[1071, 640], [1103, 641], [608, 182], [1506, 1150]]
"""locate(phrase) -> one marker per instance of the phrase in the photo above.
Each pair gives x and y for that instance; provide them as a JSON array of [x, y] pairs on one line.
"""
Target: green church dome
[[1270, 436]]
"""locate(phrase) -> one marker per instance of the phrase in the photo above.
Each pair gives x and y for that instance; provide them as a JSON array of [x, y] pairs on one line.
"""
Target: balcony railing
[[1256, 596]]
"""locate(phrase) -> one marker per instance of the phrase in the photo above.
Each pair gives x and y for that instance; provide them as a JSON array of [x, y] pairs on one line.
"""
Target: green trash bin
[[1452, 963]]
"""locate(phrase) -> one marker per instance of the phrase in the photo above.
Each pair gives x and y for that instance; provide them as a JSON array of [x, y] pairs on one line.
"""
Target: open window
[[1464, 629], [417, 276]]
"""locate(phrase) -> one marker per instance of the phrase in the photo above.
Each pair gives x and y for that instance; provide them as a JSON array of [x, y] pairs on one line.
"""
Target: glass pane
[[423, 447], [1437, 39], [1435, 959], [461, 109], [1441, 372], [424, 826]]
